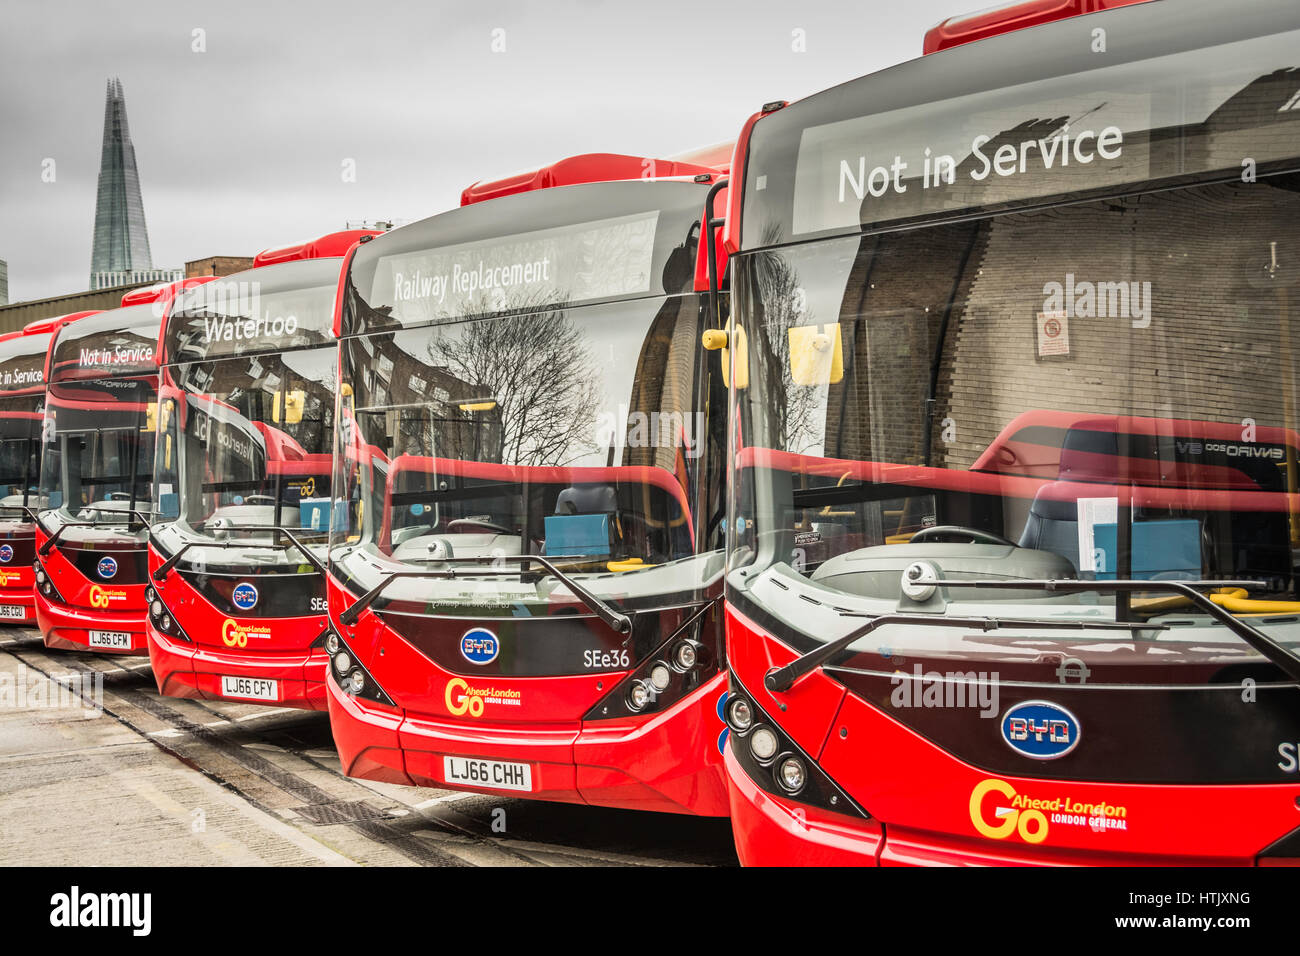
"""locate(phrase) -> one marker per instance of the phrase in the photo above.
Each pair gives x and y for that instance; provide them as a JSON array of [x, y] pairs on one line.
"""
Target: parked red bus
[[96, 462], [22, 408], [1015, 516], [526, 552], [241, 481]]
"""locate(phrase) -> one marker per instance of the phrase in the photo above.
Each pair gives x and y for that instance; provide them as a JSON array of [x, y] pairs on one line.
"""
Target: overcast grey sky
[[242, 146]]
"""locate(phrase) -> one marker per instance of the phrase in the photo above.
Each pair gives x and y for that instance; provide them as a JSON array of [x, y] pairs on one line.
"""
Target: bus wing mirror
[[816, 354], [724, 342], [291, 412]]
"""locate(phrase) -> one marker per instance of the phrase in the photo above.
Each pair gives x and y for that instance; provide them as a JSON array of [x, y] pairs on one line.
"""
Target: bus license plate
[[496, 774], [250, 688], [118, 640], [14, 612]]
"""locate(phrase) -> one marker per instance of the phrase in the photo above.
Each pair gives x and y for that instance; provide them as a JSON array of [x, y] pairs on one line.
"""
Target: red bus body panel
[[929, 804]]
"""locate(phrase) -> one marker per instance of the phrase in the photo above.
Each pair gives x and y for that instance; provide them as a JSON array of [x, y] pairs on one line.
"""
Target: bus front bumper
[[72, 628], [202, 672], [666, 762], [774, 831], [22, 599]]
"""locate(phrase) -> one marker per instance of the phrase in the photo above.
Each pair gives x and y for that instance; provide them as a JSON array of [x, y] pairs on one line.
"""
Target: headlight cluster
[[45, 585], [664, 676], [161, 616], [764, 744], [348, 672], [775, 762], [660, 676]]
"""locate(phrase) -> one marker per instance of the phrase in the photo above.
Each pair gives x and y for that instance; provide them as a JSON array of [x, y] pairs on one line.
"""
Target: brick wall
[[1216, 348]]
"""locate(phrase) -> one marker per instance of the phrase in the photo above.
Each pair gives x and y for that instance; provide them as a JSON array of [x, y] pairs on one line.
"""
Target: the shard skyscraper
[[121, 238]]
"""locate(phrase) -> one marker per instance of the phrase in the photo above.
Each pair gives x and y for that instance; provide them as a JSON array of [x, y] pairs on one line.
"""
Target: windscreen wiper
[[614, 618], [783, 678], [161, 571], [314, 561], [44, 549], [1268, 647]]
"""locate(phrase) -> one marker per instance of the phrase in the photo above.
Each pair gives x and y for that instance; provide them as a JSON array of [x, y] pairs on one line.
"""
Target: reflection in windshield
[[539, 375]]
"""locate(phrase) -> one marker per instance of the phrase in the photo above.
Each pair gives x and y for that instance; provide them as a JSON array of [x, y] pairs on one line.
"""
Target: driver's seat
[[1053, 525]]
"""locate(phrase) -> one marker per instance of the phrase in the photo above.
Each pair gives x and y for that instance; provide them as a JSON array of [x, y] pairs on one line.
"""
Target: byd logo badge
[[6, 554], [480, 646], [1040, 729], [244, 596], [106, 568]]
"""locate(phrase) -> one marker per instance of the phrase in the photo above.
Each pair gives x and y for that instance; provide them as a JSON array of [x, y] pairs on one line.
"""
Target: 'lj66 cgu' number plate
[[494, 774], [13, 611]]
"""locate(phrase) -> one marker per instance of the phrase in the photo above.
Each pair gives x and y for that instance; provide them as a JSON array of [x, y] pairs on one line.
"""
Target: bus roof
[[1019, 15], [161, 292], [39, 326], [328, 246], [593, 168]]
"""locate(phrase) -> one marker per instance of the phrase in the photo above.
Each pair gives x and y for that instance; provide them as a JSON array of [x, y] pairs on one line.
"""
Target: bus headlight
[[355, 682], [342, 663], [332, 644], [685, 655], [150, 594], [763, 744], [660, 676], [740, 716], [166, 622], [638, 695], [156, 608], [791, 774]]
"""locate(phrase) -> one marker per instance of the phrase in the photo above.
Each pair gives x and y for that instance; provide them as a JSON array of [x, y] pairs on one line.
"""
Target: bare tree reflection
[[796, 411], [539, 369]]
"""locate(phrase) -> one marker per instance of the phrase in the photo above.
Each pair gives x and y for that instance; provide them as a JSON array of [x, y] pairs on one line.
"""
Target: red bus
[[1012, 570], [96, 462], [526, 551], [22, 408], [241, 481]]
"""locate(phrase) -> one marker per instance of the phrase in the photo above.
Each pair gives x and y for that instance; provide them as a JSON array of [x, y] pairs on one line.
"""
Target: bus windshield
[[247, 413], [255, 447], [972, 382], [20, 453], [530, 424], [97, 460]]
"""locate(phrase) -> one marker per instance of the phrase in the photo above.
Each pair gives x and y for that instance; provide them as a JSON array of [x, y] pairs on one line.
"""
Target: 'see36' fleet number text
[[606, 660]]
